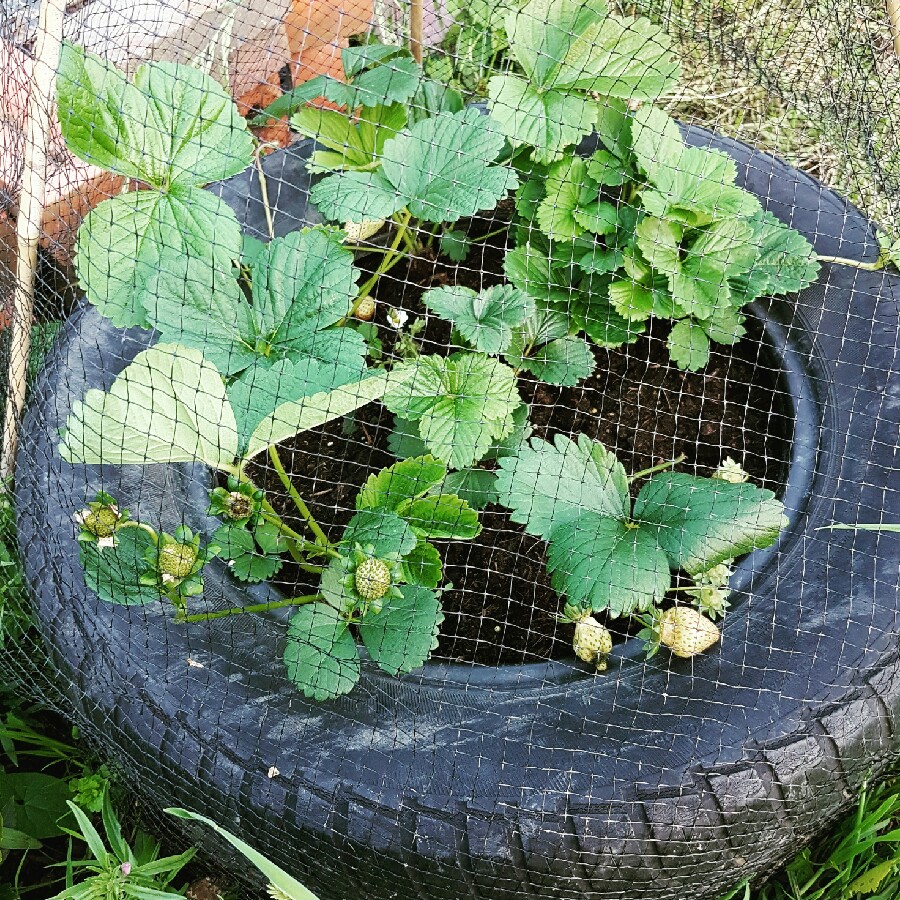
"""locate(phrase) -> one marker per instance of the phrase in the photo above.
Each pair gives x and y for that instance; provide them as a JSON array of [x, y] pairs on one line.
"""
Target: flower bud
[[731, 472]]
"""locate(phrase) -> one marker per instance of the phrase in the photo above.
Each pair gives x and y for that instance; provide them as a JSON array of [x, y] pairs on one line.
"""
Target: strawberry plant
[[617, 221]]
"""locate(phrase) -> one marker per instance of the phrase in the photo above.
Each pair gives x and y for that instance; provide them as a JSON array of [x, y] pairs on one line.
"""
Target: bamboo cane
[[893, 11], [28, 223], [417, 29]]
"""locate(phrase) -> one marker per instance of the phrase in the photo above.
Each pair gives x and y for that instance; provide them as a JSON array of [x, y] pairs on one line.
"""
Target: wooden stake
[[28, 223], [893, 10], [417, 28]]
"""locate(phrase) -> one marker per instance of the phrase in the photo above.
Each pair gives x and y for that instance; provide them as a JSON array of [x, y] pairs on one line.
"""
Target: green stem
[[264, 194], [389, 260], [321, 537], [132, 523], [486, 237], [659, 468], [255, 608], [855, 263]]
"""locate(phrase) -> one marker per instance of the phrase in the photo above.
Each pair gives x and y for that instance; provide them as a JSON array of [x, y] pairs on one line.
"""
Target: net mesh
[[502, 267]]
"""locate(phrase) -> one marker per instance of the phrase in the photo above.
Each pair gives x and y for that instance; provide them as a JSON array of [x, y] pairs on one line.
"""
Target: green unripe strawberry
[[686, 632], [592, 642], [365, 309], [177, 559], [238, 506], [372, 579]]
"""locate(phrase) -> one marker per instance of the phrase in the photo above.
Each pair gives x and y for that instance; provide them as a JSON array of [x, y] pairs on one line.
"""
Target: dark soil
[[502, 607]]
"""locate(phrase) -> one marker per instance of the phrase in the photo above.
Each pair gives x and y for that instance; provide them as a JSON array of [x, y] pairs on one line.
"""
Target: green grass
[[859, 858]]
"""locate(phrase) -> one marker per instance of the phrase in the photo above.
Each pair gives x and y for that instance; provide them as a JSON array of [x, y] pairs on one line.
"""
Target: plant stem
[[133, 523], [486, 237], [855, 263], [255, 608], [658, 468], [321, 537], [390, 259], [264, 194]]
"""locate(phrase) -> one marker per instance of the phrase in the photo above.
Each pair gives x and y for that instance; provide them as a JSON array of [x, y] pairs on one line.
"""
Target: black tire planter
[[664, 779]]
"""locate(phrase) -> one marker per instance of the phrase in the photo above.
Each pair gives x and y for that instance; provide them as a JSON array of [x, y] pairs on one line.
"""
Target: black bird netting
[[460, 448]]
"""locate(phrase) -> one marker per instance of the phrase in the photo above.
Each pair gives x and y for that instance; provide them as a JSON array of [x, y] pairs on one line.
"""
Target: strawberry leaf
[[547, 484], [321, 655], [606, 564], [401, 637], [441, 517], [400, 483], [462, 404], [423, 565], [688, 345], [485, 319], [701, 522], [114, 573]]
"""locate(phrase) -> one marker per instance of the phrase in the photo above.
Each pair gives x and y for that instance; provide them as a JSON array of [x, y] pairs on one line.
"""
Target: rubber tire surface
[[658, 780]]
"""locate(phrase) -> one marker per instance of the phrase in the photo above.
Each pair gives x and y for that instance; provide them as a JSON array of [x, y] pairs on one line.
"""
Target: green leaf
[[356, 60], [38, 802], [96, 105], [462, 403], [290, 887], [577, 45], [688, 346], [303, 283], [247, 563], [603, 563], [262, 388], [423, 565], [357, 197], [13, 839], [548, 121], [389, 533], [404, 440], [637, 303], [607, 169], [125, 242], [455, 245], [569, 192], [565, 361], [173, 126], [701, 522], [592, 312], [169, 405], [872, 879], [485, 319], [601, 260], [401, 637], [401, 482], [394, 81], [548, 484], [295, 417], [440, 169], [441, 517], [532, 271], [114, 573], [443, 166], [729, 243], [193, 306], [660, 243], [786, 262], [478, 487], [192, 131], [321, 655]]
